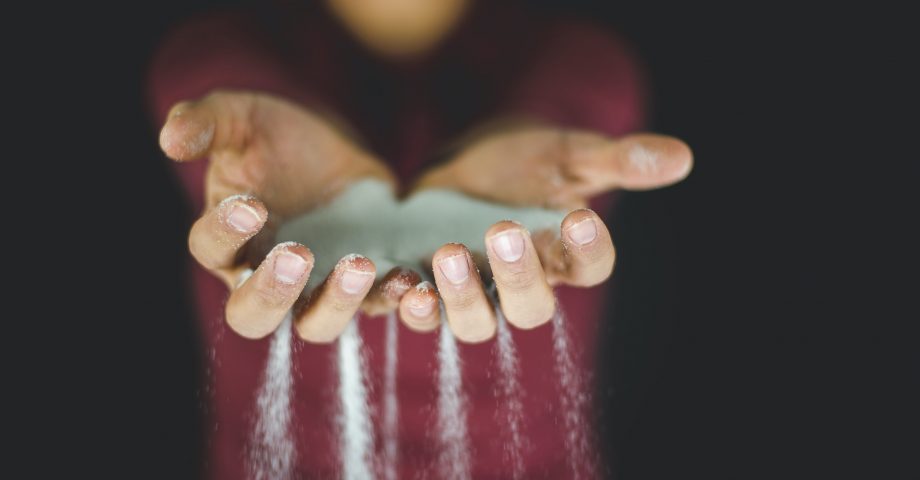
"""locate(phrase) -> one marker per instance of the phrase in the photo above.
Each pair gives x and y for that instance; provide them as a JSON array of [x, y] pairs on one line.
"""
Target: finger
[[634, 162], [469, 313], [583, 256], [258, 306], [385, 295], [526, 299], [217, 237], [418, 308], [193, 129], [333, 305]]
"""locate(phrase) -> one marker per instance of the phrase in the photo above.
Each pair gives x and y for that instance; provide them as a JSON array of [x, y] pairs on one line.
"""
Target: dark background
[[761, 328]]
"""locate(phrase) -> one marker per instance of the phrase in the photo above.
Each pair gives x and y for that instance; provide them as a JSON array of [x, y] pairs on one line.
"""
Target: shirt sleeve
[[583, 78]]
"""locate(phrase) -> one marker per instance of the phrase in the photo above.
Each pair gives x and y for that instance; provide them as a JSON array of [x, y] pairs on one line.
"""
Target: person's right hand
[[270, 160]]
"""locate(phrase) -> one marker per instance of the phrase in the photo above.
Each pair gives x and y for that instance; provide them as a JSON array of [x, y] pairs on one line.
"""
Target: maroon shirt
[[500, 61]]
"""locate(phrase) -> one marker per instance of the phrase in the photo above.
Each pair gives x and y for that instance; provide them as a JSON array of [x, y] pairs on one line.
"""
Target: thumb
[[635, 162], [194, 129]]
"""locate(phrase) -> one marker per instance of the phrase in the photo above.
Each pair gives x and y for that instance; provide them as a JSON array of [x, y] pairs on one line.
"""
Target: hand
[[539, 166], [270, 160]]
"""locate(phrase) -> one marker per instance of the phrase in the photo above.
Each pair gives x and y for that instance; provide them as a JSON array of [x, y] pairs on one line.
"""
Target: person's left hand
[[537, 166]]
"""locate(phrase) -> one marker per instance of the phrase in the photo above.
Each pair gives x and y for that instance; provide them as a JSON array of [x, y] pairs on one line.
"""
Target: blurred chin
[[401, 28]]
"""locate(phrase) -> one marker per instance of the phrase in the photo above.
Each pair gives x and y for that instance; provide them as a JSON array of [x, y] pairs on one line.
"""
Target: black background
[[761, 327]]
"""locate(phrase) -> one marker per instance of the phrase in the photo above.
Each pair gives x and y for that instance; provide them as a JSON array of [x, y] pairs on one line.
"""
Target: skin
[[399, 28], [287, 160], [561, 169], [271, 159]]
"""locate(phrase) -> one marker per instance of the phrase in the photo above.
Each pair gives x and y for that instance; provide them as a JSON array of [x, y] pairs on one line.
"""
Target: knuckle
[[339, 302], [269, 298], [516, 282], [344, 306], [462, 302]]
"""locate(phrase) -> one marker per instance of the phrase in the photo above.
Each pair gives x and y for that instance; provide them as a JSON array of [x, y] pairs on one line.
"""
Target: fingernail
[[243, 218], [289, 267], [422, 310], [583, 232], [455, 268], [353, 281], [508, 245]]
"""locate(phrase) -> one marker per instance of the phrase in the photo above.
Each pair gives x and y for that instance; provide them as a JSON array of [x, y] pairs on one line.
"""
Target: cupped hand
[[538, 166], [271, 159]]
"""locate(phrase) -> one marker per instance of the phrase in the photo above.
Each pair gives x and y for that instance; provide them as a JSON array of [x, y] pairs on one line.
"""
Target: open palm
[[548, 167], [270, 160]]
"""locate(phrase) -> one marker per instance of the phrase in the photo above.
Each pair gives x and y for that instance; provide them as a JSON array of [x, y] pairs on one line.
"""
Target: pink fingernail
[[243, 218], [354, 281], [289, 267], [455, 268], [508, 245], [421, 310], [583, 232]]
